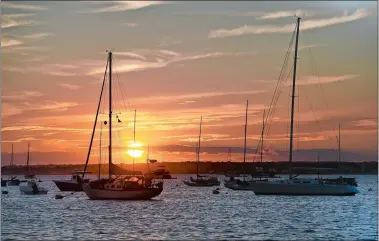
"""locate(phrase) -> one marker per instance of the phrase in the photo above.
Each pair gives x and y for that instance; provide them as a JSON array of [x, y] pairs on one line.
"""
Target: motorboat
[[72, 185], [31, 187]]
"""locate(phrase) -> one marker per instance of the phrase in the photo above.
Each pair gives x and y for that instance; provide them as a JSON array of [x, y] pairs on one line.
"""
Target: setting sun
[[135, 153]]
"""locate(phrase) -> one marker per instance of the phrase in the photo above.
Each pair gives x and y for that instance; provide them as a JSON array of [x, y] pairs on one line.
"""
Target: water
[[191, 213]]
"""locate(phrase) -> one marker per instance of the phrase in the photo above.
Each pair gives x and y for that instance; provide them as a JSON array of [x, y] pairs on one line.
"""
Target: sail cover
[[119, 171]]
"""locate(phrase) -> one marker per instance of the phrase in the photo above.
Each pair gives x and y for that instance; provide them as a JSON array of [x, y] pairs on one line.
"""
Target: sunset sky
[[177, 61]]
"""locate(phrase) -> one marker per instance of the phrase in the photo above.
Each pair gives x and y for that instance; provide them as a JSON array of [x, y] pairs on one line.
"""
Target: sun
[[133, 151]]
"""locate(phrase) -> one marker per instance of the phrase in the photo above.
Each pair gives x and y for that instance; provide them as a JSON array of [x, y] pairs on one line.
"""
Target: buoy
[[58, 196], [370, 189], [177, 185], [216, 191], [4, 192]]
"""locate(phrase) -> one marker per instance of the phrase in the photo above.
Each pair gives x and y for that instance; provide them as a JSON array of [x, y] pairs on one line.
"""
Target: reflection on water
[[183, 212]]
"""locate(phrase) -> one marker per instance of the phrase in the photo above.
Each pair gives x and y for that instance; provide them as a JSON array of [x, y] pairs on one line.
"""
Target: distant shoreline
[[280, 168]]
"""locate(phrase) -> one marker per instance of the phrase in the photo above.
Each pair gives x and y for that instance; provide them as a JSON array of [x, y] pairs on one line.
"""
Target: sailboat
[[121, 187], [160, 172], [12, 179], [201, 181], [29, 174], [31, 187], [235, 183], [302, 186]]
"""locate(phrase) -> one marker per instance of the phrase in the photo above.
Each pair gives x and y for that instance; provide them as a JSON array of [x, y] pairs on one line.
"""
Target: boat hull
[[293, 189], [3, 183], [28, 190], [104, 194], [201, 184], [15, 182], [67, 186]]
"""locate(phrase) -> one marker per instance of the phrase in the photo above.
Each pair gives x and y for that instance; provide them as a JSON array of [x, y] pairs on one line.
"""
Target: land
[[209, 167]]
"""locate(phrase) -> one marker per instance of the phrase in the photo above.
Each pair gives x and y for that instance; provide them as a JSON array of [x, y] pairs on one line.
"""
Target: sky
[[176, 61]]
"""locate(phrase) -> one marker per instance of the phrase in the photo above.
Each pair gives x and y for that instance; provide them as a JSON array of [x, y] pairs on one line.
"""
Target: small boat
[[32, 188], [233, 182], [201, 181], [3, 182], [73, 185], [161, 173], [123, 187], [12, 179]]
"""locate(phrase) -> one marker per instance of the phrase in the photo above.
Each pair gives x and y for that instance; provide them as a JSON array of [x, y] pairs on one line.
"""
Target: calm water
[[183, 212]]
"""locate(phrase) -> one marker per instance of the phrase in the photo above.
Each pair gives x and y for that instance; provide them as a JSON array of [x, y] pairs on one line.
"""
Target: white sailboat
[[302, 186], [13, 181], [201, 180], [131, 187]]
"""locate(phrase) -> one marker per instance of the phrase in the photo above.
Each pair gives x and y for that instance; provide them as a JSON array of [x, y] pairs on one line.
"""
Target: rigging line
[[318, 82], [121, 88]]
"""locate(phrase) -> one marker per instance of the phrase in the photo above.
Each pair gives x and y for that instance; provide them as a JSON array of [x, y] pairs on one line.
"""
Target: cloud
[[11, 5], [309, 80], [70, 86], [55, 106], [130, 54], [284, 14], [305, 25], [38, 35], [10, 42], [157, 59], [121, 6], [12, 20], [367, 123], [132, 25], [169, 41]]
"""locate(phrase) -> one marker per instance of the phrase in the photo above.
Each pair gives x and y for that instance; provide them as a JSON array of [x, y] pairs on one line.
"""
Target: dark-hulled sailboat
[[121, 187]]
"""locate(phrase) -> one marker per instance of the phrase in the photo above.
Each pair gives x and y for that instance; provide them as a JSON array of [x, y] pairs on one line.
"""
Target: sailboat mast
[[101, 131], [11, 164], [339, 145], [244, 146], [110, 115], [293, 96], [263, 129], [27, 160], [134, 136], [147, 157], [198, 149]]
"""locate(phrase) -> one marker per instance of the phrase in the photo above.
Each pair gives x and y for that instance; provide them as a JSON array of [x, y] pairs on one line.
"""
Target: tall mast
[[27, 160], [11, 164], [263, 129], [147, 157], [197, 163], [198, 149], [293, 96], [244, 146], [101, 130], [339, 145], [110, 115], [134, 137]]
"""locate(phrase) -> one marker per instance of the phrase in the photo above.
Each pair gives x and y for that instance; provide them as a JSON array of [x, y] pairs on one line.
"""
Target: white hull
[[28, 190], [302, 187], [101, 194]]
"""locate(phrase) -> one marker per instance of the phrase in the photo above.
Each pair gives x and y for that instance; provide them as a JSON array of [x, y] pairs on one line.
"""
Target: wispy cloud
[[367, 123], [10, 42], [132, 25], [13, 20], [130, 54], [38, 35], [309, 80], [70, 86], [285, 14], [12, 5], [54, 106], [121, 6], [169, 41], [149, 59], [305, 25], [22, 95]]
